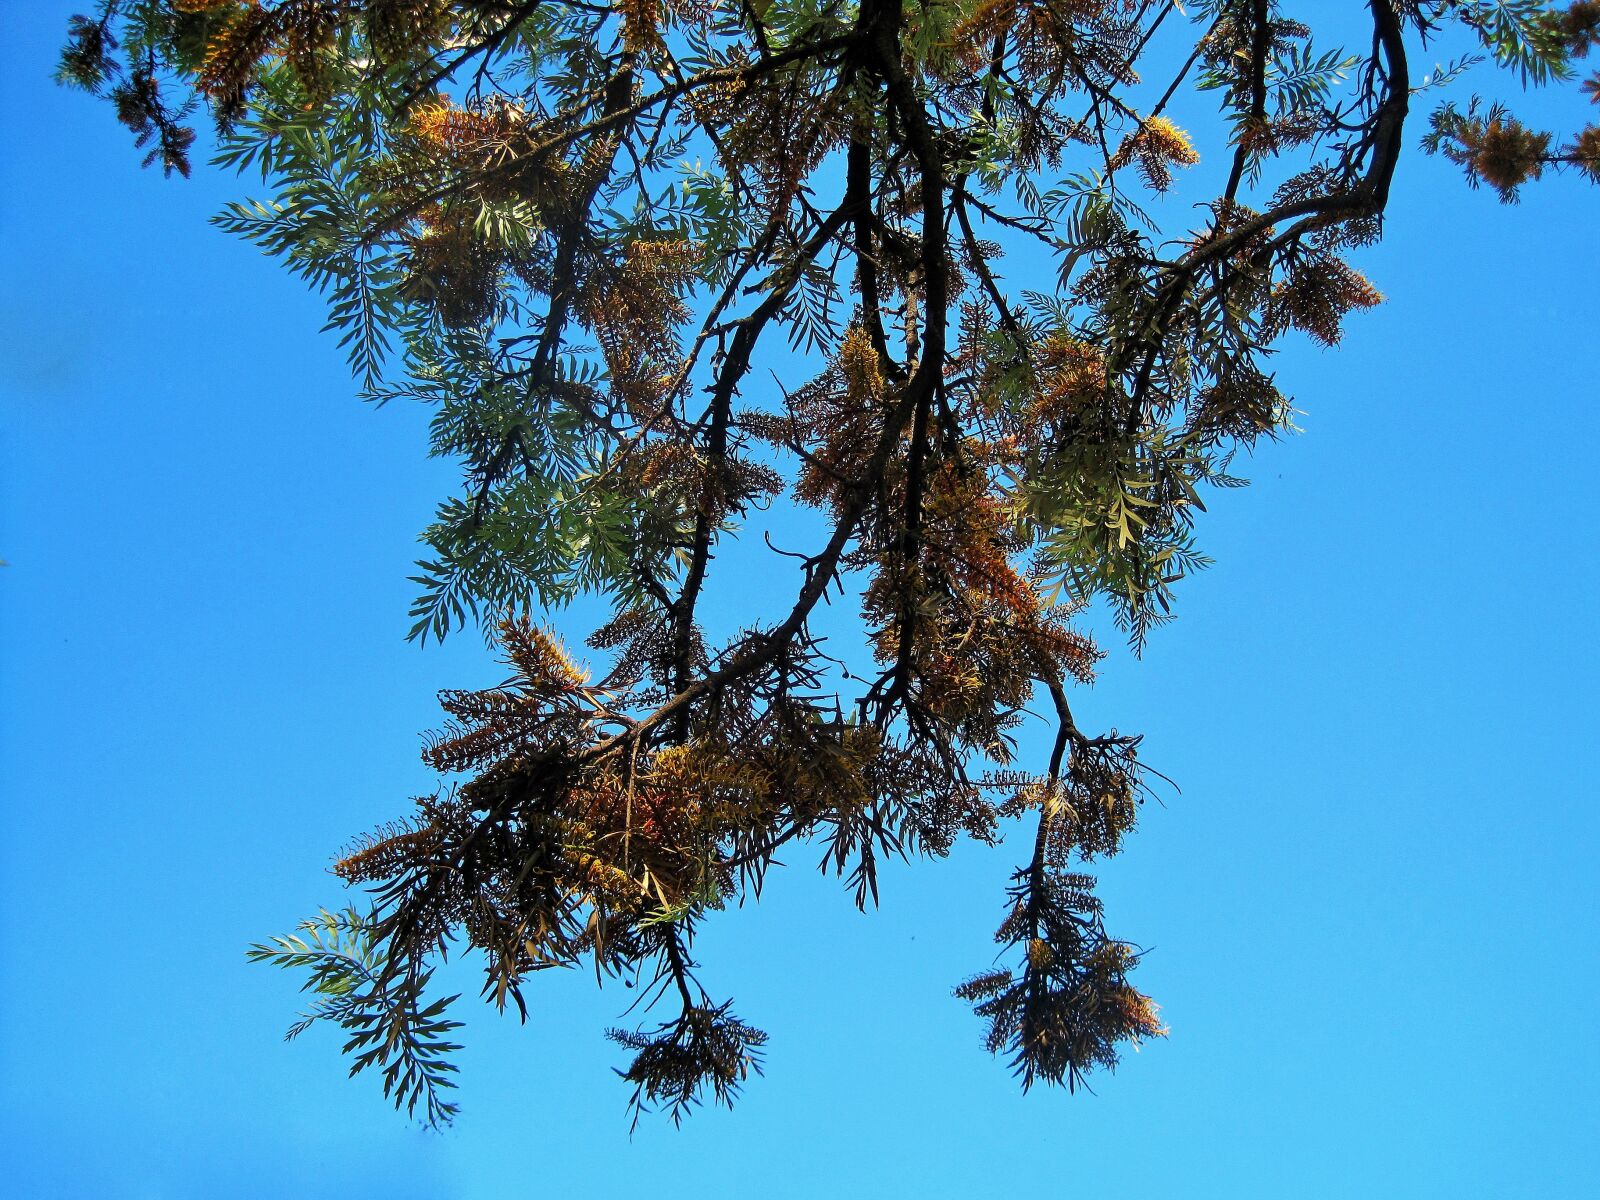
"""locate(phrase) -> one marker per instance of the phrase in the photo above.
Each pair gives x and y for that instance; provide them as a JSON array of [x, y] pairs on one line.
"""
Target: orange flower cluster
[[1315, 296], [451, 268], [466, 137], [1073, 385], [1156, 147], [635, 306]]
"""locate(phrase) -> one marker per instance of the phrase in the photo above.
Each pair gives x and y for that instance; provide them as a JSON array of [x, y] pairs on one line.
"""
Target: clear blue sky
[[1371, 911]]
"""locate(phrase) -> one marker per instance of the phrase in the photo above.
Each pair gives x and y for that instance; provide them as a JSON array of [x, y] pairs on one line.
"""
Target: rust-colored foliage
[[581, 226]]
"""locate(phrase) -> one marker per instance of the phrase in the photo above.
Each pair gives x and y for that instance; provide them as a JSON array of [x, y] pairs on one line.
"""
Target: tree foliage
[[576, 229]]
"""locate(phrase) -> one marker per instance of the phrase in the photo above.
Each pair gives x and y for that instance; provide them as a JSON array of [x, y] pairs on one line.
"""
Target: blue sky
[[1370, 911]]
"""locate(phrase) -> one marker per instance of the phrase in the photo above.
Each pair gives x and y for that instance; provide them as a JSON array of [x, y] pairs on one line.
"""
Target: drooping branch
[[677, 184]]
